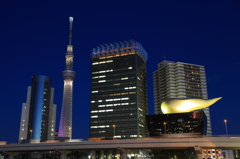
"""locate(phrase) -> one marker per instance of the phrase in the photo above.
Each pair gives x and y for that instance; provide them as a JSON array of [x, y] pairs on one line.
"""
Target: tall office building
[[180, 80], [38, 113], [65, 126], [118, 91]]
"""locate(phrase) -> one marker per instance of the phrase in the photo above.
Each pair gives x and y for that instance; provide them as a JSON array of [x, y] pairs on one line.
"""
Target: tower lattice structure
[[65, 127]]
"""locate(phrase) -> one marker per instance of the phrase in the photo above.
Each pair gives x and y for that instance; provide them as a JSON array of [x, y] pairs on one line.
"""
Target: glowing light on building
[[171, 106]]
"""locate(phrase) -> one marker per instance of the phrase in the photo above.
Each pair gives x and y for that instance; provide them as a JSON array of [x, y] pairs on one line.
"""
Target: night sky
[[34, 38]]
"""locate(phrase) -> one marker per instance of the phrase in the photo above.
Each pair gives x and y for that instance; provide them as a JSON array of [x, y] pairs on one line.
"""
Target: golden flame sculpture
[[170, 106]]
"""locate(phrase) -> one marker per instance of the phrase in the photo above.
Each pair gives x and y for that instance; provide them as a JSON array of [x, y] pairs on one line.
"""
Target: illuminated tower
[[65, 127], [180, 80]]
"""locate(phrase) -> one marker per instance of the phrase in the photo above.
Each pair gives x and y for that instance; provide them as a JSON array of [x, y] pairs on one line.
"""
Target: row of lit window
[[99, 76], [116, 55], [100, 111], [114, 121], [116, 99], [112, 115], [119, 126], [113, 75], [115, 94], [102, 62], [115, 84], [125, 78], [110, 105], [101, 126], [102, 71], [107, 100]]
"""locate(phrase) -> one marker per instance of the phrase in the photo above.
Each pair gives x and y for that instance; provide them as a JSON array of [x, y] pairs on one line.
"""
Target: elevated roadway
[[127, 144]]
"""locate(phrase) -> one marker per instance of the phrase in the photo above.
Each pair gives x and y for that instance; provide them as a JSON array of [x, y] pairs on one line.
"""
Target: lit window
[[95, 63], [107, 125], [101, 126], [94, 116], [109, 61], [109, 105], [125, 78], [95, 111], [124, 98], [99, 100], [21, 138], [102, 71], [94, 72], [109, 110], [101, 62], [116, 99], [93, 126], [51, 134], [102, 76], [132, 92], [101, 105], [126, 88], [92, 101], [109, 70], [138, 78], [129, 67], [101, 81], [22, 129], [94, 77], [101, 110], [116, 84], [94, 91]]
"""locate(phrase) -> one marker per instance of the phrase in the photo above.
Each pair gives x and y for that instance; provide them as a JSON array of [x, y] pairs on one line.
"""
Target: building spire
[[70, 47], [70, 29]]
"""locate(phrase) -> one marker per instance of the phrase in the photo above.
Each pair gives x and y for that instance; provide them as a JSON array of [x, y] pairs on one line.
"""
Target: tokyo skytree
[[65, 127]]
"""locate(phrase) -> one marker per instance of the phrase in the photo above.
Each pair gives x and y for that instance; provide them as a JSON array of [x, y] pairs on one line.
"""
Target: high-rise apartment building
[[180, 80], [65, 126], [118, 91], [38, 113]]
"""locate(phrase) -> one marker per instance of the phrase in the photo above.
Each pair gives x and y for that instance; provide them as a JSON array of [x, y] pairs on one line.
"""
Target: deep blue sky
[[34, 36]]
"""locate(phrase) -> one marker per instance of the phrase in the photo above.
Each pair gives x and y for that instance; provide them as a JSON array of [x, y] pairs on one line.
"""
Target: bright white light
[[186, 105], [70, 19]]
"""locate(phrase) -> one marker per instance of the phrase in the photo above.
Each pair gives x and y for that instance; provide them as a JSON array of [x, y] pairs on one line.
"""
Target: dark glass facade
[[193, 122], [118, 95], [39, 108]]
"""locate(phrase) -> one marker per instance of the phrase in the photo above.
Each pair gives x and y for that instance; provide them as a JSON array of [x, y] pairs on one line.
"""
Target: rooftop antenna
[[164, 57], [70, 47], [70, 30]]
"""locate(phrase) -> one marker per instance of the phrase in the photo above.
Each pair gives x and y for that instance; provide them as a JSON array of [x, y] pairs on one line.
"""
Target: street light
[[30, 134], [70, 133], [114, 131], [225, 121], [165, 127]]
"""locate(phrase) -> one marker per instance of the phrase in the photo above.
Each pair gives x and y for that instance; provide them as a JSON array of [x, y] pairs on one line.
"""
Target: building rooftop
[[119, 47]]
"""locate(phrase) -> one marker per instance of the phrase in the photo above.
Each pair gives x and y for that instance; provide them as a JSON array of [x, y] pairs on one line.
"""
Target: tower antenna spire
[[70, 30]]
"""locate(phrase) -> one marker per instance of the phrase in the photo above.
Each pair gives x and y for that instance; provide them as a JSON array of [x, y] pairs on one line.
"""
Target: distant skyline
[[34, 37]]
